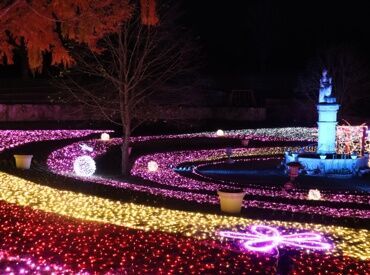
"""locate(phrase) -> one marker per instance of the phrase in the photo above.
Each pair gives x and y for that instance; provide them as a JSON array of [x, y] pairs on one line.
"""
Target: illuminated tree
[[129, 70], [39, 26]]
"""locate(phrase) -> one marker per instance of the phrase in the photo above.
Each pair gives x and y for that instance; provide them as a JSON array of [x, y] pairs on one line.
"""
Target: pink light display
[[262, 134], [38, 242], [171, 184], [19, 265], [13, 138], [57, 244], [261, 238]]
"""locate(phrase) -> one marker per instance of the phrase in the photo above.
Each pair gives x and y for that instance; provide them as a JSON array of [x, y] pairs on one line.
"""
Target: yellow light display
[[349, 242]]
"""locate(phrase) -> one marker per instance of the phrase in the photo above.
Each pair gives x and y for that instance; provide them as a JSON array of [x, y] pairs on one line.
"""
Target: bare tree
[[131, 68], [351, 79]]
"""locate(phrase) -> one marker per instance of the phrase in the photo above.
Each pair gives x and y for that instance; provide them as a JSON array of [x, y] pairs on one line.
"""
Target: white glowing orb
[[314, 194], [105, 136], [152, 166], [220, 133], [84, 166]]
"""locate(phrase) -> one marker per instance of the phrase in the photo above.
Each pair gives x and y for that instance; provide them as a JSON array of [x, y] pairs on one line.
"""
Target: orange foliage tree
[[40, 26]]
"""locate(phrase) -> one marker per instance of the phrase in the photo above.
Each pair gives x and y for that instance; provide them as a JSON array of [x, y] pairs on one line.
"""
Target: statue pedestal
[[327, 124]]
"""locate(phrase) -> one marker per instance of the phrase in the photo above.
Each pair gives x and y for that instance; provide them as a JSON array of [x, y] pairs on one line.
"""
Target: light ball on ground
[[220, 133], [152, 166], [104, 136], [84, 166], [314, 194]]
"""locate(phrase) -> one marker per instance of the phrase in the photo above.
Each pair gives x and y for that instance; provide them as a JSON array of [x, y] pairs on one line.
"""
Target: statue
[[325, 87]]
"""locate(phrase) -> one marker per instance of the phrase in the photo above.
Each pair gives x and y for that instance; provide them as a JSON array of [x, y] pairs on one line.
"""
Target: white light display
[[314, 194], [152, 166], [105, 136], [220, 133], [84, 166]]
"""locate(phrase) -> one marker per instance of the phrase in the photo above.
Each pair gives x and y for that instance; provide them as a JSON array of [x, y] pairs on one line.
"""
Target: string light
[[13, 138], [115, 237], [172, 184], [349, 242]]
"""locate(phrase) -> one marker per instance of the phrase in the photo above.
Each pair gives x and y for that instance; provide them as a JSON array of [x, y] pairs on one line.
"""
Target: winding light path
[[171, 184], [43, 229]]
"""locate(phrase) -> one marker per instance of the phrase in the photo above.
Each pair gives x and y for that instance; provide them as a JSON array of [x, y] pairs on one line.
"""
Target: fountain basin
[[332, 165]]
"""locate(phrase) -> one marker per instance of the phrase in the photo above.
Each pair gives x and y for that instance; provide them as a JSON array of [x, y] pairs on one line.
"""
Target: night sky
[[264, 39], [266, 36]]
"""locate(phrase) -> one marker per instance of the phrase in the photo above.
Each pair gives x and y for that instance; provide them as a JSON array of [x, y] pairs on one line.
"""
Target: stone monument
[[326, 162], [327, 121]]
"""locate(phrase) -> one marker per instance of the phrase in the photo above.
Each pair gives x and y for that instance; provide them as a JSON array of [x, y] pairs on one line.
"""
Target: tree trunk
[[24, 62], [125, 150], [24, 68]]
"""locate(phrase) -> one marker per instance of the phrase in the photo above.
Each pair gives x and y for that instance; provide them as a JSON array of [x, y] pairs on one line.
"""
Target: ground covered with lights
[[164, 218]]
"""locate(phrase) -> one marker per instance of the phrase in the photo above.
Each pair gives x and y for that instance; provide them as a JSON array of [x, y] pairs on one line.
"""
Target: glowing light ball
[[152, 166], [105, 136], [220, 133], [84, 166], [314, 194]]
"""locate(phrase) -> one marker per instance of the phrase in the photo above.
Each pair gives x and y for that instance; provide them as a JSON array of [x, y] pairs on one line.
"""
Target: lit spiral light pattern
[[169, 182], [114, 237]]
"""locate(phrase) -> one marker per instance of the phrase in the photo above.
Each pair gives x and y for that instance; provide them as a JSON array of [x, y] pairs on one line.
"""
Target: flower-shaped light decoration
[[261, 238]]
